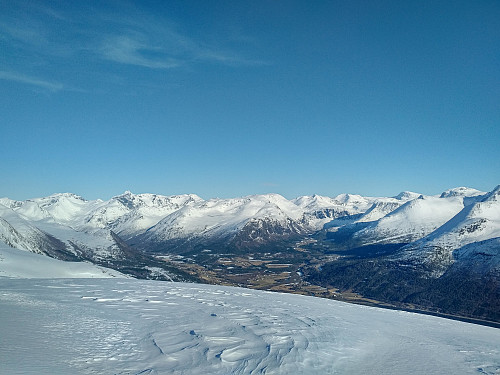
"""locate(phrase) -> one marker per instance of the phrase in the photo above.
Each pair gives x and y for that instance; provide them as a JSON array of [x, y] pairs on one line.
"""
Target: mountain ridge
[[409, 248], [151, 218]]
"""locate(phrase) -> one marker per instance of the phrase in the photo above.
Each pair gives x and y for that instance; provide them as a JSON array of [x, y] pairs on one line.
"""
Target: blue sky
[[231, 98]]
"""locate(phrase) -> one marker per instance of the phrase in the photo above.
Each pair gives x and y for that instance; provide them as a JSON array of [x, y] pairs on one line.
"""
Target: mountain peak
[[53, 198], [346, 197], [125, 194], [407, 195], [461, 191]]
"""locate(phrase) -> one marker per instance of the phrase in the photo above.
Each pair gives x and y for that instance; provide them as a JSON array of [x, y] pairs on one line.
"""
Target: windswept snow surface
[[113, 326]]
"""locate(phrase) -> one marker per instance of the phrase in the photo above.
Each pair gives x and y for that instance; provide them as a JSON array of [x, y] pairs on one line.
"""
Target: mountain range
[[455, 232], [66, 226]]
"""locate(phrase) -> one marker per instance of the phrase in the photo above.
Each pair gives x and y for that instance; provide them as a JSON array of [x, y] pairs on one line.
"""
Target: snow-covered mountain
[[262, 219], [320, 212], [131, 214], [63, 225], [471, 236], [323, 209], [461, 192], [68, 227], [254, 220], [31, 227], [411, 221], [437, 252], [126, 214], [19, 233], [407, 196], [372, 210], [403, 219]]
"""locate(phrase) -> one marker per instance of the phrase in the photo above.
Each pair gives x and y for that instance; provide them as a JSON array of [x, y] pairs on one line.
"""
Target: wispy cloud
[[33, 81], [170, 51], [63, 41], [152, 41], [23, 34], [129, 50]]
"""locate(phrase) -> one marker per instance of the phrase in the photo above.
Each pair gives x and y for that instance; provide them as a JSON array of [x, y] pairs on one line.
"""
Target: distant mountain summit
[[407, 195], [461, 192]]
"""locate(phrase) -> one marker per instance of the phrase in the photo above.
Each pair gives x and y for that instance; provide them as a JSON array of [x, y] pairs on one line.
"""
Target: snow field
[[119, 326]]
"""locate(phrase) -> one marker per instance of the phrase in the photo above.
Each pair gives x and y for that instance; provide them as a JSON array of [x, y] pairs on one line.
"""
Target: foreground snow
[[120, 326]]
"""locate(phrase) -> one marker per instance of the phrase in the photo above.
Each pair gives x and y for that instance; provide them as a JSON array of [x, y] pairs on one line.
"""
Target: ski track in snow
[[142, 327]]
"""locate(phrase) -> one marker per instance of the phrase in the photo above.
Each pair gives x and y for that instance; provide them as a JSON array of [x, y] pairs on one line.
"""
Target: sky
[[233, 98]]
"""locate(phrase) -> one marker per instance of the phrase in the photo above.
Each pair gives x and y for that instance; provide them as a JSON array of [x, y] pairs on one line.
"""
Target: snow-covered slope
[[476, 222], [384, 206], [343, 204], [44, 235], [82, 227], [356, 202], [319, 210], [322, 211], [223, 219], [411, 221], [475, 230], [131, 214], [380, 209], [17, 263], [127, 214], [17, 232], [112, 326], [65, 208]]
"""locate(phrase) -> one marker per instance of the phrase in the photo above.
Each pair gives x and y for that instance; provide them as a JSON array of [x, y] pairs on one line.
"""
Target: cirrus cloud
[[34, 81]]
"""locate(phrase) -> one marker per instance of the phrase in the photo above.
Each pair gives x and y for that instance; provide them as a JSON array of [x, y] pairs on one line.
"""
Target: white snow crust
[[113, 326]]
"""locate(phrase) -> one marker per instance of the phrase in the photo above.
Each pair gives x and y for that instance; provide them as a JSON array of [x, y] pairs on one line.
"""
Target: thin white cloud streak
[[126, 50], [33, 81], [27, 35], [137, 39], [129, 36], [134, 50]]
